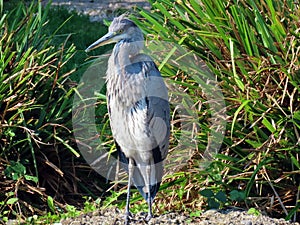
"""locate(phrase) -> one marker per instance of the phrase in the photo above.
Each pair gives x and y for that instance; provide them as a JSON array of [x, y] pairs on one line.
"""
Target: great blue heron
[[138, 107]]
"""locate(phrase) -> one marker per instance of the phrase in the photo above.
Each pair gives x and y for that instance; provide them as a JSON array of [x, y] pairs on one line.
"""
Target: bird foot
[[148, 217], [128, 217]]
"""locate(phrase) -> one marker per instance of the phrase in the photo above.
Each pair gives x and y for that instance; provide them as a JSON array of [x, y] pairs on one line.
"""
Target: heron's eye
[[120, 31]]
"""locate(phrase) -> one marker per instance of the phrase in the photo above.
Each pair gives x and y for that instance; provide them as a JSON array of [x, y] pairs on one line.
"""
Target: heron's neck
[[124, 51]]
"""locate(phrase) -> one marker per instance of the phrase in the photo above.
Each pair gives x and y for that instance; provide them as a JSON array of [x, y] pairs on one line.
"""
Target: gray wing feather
[[158, 116]]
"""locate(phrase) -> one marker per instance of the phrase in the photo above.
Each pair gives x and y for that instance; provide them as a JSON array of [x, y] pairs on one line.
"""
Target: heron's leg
[[148, 183], [130, 173]]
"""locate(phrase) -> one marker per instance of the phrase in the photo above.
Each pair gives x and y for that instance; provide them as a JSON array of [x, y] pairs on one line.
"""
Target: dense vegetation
[[252, 48], [39, 70]]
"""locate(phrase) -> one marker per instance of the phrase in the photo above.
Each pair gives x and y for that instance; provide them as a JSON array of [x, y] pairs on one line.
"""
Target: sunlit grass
[[41, 57], [252, 47]]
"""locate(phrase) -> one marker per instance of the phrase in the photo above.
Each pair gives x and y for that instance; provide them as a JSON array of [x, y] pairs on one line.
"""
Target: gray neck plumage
[[125, 50]]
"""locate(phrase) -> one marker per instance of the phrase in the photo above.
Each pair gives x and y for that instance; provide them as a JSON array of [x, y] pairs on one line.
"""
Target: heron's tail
[[153, 190], [139, 174]]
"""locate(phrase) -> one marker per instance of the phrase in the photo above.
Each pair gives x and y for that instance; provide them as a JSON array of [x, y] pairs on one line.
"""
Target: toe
[[148, 217], [128, 217]]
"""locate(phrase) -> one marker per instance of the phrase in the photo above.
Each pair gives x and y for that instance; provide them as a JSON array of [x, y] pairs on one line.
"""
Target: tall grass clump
[[253, 48], [37, 149]]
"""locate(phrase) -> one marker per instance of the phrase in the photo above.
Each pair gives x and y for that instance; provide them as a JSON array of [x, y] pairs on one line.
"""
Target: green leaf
[[254, 144], [236, 195], [207, 193], [253, 211], [296, 115], [157, 25], [213, 204], [296, 119], [15, 170], [293, 211], [295, 161], [254, 173], [244, 103], [50, 203], [235, 75], [268, 125], [11, 133], [67, 145], [195, 213], [32, 178], [221, 196], [11, 201]]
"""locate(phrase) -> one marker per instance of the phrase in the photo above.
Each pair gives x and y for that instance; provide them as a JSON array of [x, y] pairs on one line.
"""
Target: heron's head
[[121, 28]]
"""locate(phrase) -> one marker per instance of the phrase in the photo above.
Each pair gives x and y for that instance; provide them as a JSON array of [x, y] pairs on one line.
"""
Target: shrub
[[253, 49], [35, 112]]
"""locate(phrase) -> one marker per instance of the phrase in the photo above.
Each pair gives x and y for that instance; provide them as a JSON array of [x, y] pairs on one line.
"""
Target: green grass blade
[[235, 75]]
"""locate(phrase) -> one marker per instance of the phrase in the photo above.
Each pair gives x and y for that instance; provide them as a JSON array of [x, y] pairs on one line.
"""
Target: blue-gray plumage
[[138, 107]]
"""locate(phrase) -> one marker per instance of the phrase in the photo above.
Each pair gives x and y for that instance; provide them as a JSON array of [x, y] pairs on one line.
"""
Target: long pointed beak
[[106, 39]]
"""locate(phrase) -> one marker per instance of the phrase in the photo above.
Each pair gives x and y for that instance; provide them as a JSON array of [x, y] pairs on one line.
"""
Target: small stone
[[246, 222]]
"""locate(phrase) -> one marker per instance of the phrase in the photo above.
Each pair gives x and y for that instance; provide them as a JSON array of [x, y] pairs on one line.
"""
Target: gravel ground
[[98, 10], [210, 217]]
